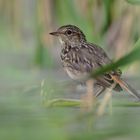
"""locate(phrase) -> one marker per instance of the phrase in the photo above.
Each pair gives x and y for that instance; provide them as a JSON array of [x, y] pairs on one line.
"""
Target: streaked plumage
[[80, 58]]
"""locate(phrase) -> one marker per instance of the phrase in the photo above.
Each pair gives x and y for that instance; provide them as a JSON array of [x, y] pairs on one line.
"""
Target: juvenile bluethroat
[[80, 58]]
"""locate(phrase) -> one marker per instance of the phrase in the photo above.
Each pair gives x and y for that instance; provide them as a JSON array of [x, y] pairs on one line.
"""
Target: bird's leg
[[106, 99]]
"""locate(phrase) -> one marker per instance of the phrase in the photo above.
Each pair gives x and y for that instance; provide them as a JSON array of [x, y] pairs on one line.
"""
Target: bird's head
[[69, 34]]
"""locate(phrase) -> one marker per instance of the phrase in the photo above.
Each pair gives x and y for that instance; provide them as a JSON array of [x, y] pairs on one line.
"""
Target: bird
[[80, 57]]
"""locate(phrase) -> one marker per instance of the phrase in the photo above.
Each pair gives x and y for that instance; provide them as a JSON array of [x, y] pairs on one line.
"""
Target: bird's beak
[[55, 33]]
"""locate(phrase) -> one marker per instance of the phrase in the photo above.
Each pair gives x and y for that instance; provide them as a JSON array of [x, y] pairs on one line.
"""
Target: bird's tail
[[126, 86]]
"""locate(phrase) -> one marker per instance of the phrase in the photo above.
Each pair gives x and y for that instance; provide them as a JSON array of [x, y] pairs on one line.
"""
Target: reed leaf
[[126, 60], [134, 1]]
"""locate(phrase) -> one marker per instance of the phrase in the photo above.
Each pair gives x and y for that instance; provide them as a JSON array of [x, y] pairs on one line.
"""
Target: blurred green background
[[31, 72]]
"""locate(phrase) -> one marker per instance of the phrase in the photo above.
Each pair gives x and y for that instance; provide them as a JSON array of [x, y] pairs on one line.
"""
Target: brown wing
[[99, 58], [87, 58]]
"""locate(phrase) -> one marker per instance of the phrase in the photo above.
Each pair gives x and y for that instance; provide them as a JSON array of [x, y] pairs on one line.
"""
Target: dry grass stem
[[88, 100], [42, 92]]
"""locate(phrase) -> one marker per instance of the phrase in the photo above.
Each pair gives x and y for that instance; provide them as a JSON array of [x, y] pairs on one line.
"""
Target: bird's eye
[[69, 32]]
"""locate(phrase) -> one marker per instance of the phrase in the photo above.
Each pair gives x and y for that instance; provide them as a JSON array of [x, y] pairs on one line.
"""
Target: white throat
[[61, 41]]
